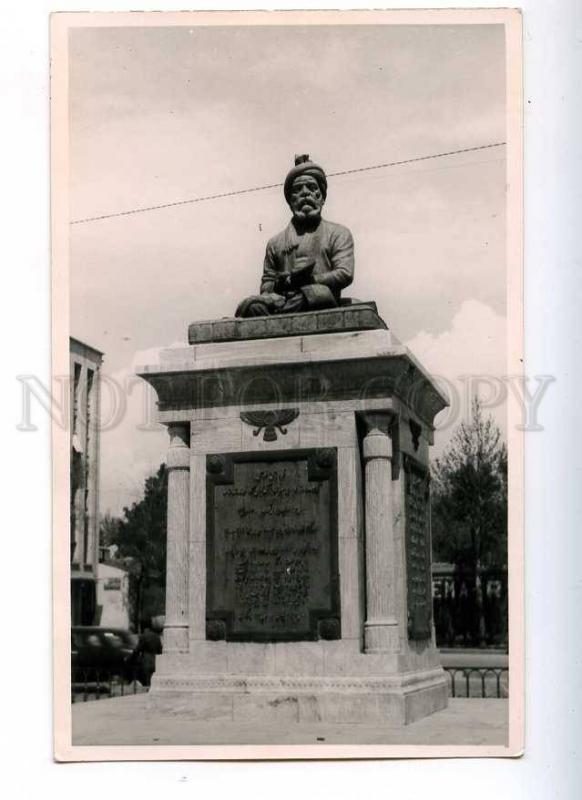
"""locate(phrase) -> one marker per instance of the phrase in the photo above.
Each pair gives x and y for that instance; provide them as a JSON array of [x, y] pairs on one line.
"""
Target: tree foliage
[[140, 536], [469, 510]]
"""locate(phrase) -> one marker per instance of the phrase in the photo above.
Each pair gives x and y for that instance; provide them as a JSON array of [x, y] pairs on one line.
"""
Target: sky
[[159, 115]]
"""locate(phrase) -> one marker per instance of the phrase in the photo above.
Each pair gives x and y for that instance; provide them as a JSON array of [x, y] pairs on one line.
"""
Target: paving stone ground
[[129, 721]]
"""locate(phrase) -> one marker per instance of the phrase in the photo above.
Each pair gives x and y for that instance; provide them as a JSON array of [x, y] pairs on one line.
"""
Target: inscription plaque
[[271, 559], [418, 555]]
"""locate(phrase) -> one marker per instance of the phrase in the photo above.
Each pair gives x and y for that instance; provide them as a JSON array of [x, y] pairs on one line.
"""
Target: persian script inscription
[[271, 556], [418, 551]]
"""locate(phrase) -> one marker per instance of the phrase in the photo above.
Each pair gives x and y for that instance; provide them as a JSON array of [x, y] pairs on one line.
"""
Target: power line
[[276, 185]]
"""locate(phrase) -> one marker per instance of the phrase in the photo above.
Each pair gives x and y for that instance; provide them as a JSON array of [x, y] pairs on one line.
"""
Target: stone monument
[[298, 554]]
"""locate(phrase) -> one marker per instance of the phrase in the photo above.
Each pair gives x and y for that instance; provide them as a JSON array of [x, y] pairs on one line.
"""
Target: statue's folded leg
[[307, 298], [252, 308], [318, 296], [260, 305]]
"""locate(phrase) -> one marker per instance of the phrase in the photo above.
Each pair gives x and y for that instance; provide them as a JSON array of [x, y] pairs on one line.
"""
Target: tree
[[469, 509], [140, 537], [108, 530]]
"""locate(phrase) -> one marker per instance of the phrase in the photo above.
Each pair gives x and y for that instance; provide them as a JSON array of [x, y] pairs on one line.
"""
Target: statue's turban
[[303, 166]]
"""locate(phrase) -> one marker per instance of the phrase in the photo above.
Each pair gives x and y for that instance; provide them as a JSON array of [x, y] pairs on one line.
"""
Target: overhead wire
[[236, 192]]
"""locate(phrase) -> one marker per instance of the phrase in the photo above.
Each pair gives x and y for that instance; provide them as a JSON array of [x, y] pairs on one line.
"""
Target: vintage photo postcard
[[287, 325]]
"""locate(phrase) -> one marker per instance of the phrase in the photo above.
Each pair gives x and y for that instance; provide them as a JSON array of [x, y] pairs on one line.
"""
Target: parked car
[[102, 653]]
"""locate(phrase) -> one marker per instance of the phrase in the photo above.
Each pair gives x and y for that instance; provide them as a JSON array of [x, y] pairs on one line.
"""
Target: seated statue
[[309, 263]]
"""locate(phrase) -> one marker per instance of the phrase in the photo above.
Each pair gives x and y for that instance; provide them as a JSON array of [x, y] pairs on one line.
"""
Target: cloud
[[467, 359]]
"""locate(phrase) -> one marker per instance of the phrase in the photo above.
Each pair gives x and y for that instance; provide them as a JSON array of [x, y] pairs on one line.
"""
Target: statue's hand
[[283, 283], [302, 274], [273, 299]]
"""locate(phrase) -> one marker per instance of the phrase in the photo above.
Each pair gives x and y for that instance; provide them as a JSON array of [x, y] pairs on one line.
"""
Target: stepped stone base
[[298, 682], [246, 698]]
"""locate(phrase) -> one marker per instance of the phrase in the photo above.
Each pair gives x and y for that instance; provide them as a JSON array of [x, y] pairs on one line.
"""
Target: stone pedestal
[[298, 523]]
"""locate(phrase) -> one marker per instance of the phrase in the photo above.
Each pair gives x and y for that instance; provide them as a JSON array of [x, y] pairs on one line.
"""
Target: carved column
[[381, 627], [178, 465]]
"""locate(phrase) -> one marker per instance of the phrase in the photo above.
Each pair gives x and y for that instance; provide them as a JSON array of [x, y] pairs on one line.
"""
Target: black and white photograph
[[287, 310]]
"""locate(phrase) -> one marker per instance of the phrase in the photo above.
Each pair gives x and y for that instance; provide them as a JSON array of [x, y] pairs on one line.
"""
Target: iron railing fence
[[483, 682], [97, 683], [91, 683]]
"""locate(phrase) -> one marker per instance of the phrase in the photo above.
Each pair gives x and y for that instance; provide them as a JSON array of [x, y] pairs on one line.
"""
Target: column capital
[[378, 438], [179, 450], [381, 421], [377, 445]]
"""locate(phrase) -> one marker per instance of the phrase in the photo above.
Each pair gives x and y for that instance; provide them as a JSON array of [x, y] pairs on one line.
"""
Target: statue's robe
[[329, 245]]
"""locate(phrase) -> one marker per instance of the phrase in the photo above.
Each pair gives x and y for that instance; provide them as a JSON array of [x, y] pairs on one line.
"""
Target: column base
[[176, 638], [381, 636]]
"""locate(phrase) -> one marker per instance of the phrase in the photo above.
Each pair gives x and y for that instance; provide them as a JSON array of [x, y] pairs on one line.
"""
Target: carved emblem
[[270, 420]]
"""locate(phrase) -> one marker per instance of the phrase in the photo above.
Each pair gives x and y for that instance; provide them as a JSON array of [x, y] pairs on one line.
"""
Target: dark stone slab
[[418, 572], [351, 317], [271, 562]]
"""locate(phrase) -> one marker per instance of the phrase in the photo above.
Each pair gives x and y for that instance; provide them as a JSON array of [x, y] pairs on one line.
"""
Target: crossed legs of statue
[[265, 305]]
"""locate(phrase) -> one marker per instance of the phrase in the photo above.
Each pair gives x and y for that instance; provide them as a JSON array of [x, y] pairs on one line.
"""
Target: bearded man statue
[[309, 263]]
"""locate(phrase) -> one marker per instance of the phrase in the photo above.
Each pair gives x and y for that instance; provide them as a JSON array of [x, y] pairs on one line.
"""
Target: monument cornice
[[243, 377]]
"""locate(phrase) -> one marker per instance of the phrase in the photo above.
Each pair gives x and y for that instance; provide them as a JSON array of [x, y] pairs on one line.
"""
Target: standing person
[[148, 647]]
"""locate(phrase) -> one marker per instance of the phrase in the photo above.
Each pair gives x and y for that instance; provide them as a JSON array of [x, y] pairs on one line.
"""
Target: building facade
[[112, 596], [85, 370]]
